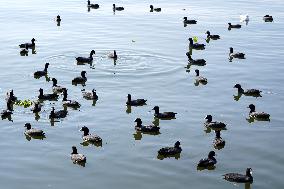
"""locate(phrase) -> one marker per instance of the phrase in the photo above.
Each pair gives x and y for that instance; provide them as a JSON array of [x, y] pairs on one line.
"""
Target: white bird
[[244, 18]]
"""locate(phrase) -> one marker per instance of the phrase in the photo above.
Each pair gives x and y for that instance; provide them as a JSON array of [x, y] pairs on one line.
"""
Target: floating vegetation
[[24, 103]]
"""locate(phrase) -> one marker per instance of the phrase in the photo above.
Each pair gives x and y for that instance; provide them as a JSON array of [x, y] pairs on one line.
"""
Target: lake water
[[151, 65]]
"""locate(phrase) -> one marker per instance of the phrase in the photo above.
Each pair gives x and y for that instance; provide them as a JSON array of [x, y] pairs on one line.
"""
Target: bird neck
[[248, 173], [94, 93], [240, 90], [9, 106], [74, 151], [65, 97], [86, 132], [54, 83], [157, 111], [52, 113], [139, 124], [45, 68], [209, 120], [218, 135], [212, 158], [189, 56]]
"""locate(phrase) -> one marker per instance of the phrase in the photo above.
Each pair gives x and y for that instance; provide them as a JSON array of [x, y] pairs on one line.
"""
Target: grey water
[[152, 64]]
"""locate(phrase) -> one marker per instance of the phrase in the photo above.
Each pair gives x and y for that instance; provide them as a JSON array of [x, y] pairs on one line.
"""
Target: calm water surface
[[151, 65]]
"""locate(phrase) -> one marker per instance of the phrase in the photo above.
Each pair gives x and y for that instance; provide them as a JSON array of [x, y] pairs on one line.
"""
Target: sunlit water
[[151, 65]]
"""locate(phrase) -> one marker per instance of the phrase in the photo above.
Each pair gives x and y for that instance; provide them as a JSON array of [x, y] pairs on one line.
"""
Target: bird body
[[186, 21], [237, 26], [196, 45], [94, 6], [92, 138], [28, 45], [248, 92], [213, 124], [198, 62], [76, 157], [115, 8], [90, 95], [57, 114], [214, 37], [42, 96], [32, 131], [169, 151], [209, 161], [71, 103], [42, 72], [136, 102], [155, 9], [164, 115], [199, 78], [236, 54], [81, 79], [257, 115], [268, 18], [86, 59], [240, 178], [145, 128]]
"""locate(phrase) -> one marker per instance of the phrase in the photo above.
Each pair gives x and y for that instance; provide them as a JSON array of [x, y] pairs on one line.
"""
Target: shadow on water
[[94, 102], [138, 134], [210, 168], [47, 78], [83, 164], [218, 146], [251, 120], [37, 116], [208, 129], [156, 121], [207, 40], [161, 157], [8, 117], [28, 137], [128, 109], [114, 62], [53, 121], [247, 185], [79, 83], [97, 144], [85, 63], [24, 53], [239, 95], [196, 83]]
